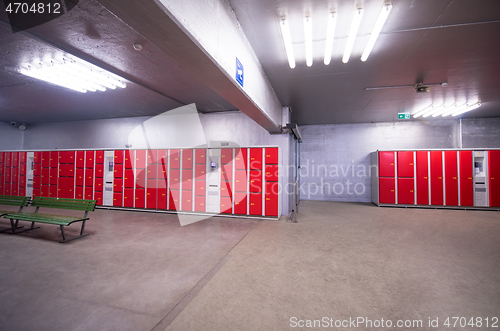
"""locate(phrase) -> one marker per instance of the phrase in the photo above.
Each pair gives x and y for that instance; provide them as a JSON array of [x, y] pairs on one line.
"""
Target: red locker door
[[22, 169], [89, 159], [117, 199], [129, 159], [36, 193], [422, 178], [174, 159], [240, 181], [162, 198], [466, 181], [226, 205], [405, 164], [151, 198], [78, 192], [99, 184], [175, 179], [2, 155], [15, 159], [53, 191], [199, 203], [226, 172], [140, 178], [61, 190], [240, 203], [271, 206], [226, 188], [162, 157], [187, 200], [451, 178], [140, 198], [22, 192], [494, 171], [272, 173], [80, 176], [9, 192], [129, 178], [174, 202], [14, 191], [387, 187], [151, 156], [22, 157], [140, 159], [406, 195], [119, 156], [226, 155], [128, 197], [199, 171], [99, 157], [271, 155], [386, 164], [256, 158], [199, 187], [45, 159], [22, 181], [117, 185], [240, 159], [37, 169], [53, 176], [162, 169], [63, 157], [98, 198], [187, 159], [118, 171], [15, 175], [54, 159], [89, 177], [187, 179], [89, 193], [436, 178], [80, 159], [200, 158], [99, 170], [255, 204], [152, 171], [37, 157], [255, 181]]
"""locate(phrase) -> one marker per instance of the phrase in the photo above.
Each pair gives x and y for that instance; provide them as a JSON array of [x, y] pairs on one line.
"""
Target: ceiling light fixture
[[76, 75], [423, 111], [453, 110], [376, 31], [352, 34], [444, 110], [330, 34], [285, 32], [467, 109], [308, 36], [433, 111]]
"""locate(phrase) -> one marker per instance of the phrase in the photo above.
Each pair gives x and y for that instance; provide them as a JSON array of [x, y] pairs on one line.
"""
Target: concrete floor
[[340, 261]]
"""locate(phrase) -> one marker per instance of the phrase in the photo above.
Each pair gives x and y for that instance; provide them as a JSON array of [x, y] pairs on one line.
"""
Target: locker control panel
[[480, 160], [30, 160], [107, 199], [213, 181]]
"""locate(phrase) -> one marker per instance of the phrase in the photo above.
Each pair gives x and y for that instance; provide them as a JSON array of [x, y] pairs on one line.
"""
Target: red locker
[[226, 188], [98, 198], [129, 159], [62, 188], [36, 193], [386, 164], [240, 203], [14, 190], [37, 157], [2, 154], [8, 177], [99, 184], [271, 196], [226, 172], [78, 192], [187, 200], [256, 158], [128, 197], [271, 155], [175, 179], [466, 179], [199, 187], [54, 159], [9, 192], [89, 177], [129, 178], [22, 181], [53, 176], [162, 156], [406, 195], [63, 157], [140, 159], [174, 159], [162, 198], [152, 183], [161, 183], [226, 205], [22, 192], [187, 179], [255, 181], [226, 155], [187, 159], [200, 171], [99, 157], [240, 159], [151, 198], [22, 169], [387, 187], [272, 173], [118, 171], [199, 203], [89, 193], [162, 169], [37, 169], [451, 178], [15, 175], [22, 157], [200, 158], [45, 160], [140, 198], [53, 191], [436, 178], [80, 159], [494, 171], [80, 176], [36, 182], [151, 156], [99, 170], [152, 171], [255, 204], [15, 159], [422, 178], [240, 181], [89, 159], [117, 199], [405, 164], [119, 157], [174, 201], [140, 178], [117, 185], [2, 186]]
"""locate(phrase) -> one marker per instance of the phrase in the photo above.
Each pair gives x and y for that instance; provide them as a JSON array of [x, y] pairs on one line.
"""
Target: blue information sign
[[239, 72]]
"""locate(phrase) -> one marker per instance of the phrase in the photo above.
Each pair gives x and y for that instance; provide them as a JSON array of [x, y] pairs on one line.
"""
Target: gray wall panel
[[10, 137]]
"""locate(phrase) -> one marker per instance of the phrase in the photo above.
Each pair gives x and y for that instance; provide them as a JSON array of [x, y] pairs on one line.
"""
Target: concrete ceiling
[[433, 41]]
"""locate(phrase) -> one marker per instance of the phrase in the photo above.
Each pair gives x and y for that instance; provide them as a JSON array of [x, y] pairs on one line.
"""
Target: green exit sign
[[403, 116]]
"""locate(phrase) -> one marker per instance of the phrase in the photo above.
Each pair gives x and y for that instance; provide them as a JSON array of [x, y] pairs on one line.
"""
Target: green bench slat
[[10, 200], [71, 204], [46, 218]]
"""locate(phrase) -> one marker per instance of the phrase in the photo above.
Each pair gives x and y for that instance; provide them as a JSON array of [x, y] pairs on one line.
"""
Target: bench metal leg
[[14, 226], [80, 236]]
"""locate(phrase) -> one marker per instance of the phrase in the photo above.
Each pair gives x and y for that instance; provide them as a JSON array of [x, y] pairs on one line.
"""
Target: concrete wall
[[335, 159], [10, 137]]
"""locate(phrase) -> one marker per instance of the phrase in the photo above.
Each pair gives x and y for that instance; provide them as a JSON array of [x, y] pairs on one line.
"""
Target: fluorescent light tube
[[454, 110], [423, 111], [352, 34], [308, 34], [376, 31], [444, 110], [330, 35], [285, 32], [433, 111], [469, 108]]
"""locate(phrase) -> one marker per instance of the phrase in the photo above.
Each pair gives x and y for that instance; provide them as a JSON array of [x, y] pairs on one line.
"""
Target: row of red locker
[[434, 178]]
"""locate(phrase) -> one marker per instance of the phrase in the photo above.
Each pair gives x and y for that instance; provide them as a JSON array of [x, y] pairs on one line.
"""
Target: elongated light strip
[[453, 110], [287, 39], [308, 34], [352, 34], [376, 31], [433, 111], [330, 34], [471, 107], [79, 76], [444, 110], [423, 111]]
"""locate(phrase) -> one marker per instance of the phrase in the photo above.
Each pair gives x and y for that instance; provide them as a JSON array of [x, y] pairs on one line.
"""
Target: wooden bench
[[10, 200], [62, 221]]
